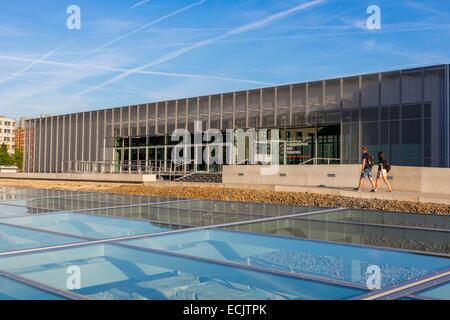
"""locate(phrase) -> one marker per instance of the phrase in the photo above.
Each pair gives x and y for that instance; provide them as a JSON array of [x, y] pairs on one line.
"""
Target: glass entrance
[[329, 144], [319, 145]]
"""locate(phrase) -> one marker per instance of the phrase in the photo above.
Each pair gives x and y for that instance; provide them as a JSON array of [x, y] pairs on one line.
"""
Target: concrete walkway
[[366, 194]]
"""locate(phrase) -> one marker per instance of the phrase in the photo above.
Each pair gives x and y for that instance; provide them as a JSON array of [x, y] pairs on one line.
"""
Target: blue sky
[[137, 51]]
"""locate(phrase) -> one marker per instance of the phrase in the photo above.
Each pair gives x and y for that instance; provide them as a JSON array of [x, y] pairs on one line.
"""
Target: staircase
[[202, 177]]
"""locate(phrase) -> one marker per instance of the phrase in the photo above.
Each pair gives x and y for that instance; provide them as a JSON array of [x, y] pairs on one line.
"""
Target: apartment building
[[8, 133]]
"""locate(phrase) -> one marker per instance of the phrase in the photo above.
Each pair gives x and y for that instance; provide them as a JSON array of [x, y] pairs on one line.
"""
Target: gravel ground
[[215, 192]]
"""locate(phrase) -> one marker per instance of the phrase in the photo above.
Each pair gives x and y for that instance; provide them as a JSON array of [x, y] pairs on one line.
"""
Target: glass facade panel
[[161, 113], [254, 100], [333, 94], [370, 91], [412, 87], [283, 97], [299, 96], [241, 102], [181, 114], [268, 98], [315, 95], [370, 136], [390, 88], [216, 104], [133, 114], [228, 103], [181, 110], [53, 150], [395, 142], [227, 121], [93, 137], [204, 105], [411, 142], [172, 109], [350, 98]]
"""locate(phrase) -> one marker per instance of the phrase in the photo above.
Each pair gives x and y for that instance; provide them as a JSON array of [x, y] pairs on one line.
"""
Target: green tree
[[5, 158], [17, 158]]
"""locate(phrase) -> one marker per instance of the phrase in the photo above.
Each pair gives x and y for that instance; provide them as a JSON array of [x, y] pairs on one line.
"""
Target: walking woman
[[383, 170]]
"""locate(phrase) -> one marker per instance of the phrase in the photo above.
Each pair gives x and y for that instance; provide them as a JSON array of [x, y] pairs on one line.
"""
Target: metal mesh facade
[[404, 113]]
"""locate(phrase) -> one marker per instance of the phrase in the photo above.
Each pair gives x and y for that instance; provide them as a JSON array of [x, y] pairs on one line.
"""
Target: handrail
[[242, 161], [185, 176], [158, 167], [183, 171], [316, 160]]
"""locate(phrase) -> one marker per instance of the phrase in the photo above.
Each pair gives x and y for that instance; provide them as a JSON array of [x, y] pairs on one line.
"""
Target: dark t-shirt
[[366, 156], [382, 163]]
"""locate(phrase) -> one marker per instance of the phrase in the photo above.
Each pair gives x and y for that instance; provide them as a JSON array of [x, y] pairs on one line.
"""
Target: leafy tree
[[17, 158], [5, 158]]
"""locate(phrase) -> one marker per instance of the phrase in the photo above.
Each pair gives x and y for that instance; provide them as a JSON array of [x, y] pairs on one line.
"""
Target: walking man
[[366, 169]]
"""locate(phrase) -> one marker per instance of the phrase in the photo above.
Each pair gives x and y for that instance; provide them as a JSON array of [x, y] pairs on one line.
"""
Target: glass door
[[134, 160], [151, 159], [328, 144], [142, 161], [160, 159]]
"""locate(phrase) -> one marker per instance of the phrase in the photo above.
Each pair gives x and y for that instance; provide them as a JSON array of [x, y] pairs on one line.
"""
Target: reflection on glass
[[441, 292], [180, 217], [13, 290], [89, 201], [8, 194], [334, 261], [418, 240], [113, 272], [260, 209], [89, 226], [386, 218], [14, 238], [7, 211]]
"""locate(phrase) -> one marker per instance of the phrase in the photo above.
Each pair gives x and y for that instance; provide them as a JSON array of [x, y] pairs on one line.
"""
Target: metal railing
[[136, 167], [322, 161], [159, 168]]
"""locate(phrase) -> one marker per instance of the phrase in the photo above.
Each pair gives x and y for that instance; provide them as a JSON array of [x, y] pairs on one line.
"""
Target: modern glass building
[[405, 113]]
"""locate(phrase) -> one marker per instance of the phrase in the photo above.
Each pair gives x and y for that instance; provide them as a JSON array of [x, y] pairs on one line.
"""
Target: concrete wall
[[8, 169], [119, 178], [413, 179]]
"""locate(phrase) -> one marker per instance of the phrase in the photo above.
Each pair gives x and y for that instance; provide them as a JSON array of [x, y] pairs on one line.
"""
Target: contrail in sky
[[141, 3], [121, 70], [182, 51], [145, 26], [32, 64]]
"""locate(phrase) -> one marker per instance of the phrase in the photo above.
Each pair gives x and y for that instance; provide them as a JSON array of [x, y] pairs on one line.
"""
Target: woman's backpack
[[388, 167]]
